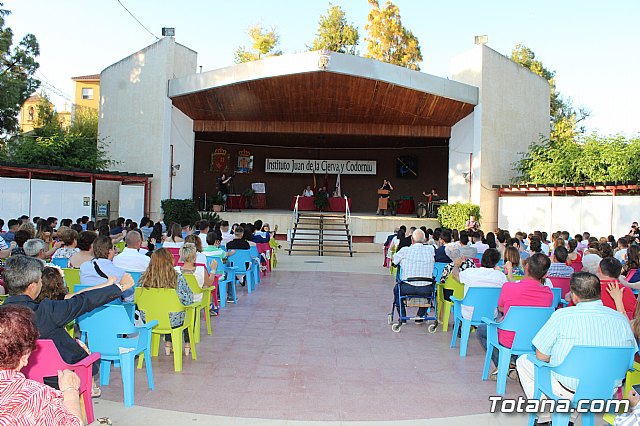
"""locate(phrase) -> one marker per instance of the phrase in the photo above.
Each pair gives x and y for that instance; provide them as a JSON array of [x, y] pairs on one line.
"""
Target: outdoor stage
[[364, 227]]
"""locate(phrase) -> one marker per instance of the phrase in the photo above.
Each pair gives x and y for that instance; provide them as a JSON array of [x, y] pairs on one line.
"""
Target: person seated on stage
[[416, 272], [308, 192], [432, 196], [472, 224]]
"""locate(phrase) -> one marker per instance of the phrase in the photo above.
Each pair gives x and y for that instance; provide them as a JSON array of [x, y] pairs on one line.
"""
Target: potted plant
[[218, 202], [248, 195], [392, 206]]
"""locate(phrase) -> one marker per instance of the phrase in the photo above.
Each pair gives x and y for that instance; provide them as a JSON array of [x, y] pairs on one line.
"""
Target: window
[[87, 93], [31, 113]]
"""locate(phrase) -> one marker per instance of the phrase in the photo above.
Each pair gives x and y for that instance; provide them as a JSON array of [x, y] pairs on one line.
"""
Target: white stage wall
[[14, 198], [131, 202], [600, 215]]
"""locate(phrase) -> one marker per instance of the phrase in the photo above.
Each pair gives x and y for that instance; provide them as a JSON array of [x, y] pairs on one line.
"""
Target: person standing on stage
[[431, 197], [223, 181], [385, 185]]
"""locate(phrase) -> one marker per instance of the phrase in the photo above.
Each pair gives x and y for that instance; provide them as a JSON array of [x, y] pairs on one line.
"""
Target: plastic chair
[[120, 246], [484, 301], [525, 321], [230, 273], [45, 361], [204, 304], [103, 327], [3, 297], [632, 378], [476, 262], [71, 278], [61, 262], [445, 306], [594, 383], [156, 304], [438, 267], [136, 277], [242, 260], [255, 256], [274, 249], [265, 251], [577, 266], [561, 283]]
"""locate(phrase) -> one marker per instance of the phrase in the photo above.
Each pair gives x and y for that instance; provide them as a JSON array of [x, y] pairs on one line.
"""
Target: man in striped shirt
[[589, 323]]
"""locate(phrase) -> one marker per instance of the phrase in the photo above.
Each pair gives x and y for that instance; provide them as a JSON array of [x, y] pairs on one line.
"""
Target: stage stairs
[[321, 233]]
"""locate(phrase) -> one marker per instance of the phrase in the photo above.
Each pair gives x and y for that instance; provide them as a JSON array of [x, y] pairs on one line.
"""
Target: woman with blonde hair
[[188, 254], [174, 237], [161, 274], [197, 241]]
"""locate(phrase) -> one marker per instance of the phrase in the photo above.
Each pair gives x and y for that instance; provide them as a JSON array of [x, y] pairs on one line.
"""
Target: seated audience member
[[544, 246], [119, 227], [85, 240], [488, 275], [13, 225], [630, 268], [465, 249], [559, 267], [23, 277], [609, 274], [53, 287], [605, 250], [21, 237], [511, 254], [416, 272], [476, 237], [185, 229], [406, 241], [200, 256], [589, 323], [591, 258], [101, 267], [24, 401], [491, 240], [238, 243], [446, 271], [188, 254], [214, 239], [255, 236], [574, 255], [621, 252], [203, 227], [441, 255], [161, 274], [502, 237], [35, 248], [70, 241], [224, 230], [131, 259], [174, 237], [530, 291], [146, 226]]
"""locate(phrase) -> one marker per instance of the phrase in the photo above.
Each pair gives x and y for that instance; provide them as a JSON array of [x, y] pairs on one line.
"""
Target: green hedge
[[455, 216], [179, 211]]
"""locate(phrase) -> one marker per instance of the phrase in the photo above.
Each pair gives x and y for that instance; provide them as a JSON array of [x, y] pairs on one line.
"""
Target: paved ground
[[313, 344]]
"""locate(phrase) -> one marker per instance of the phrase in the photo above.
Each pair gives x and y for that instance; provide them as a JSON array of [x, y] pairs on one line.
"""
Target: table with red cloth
[[406, 207], [236, 202], [336, 204]]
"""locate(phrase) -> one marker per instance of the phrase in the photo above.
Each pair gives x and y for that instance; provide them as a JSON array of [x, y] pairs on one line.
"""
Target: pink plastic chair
[[577, 266], [265, 248], [476, 262], [45, 361], [562, 283]]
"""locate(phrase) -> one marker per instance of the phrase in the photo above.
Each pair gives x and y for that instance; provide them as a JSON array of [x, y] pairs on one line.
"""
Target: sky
[[591, 44]]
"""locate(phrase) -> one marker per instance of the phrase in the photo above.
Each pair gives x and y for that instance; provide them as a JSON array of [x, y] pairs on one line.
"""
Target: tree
[[264, 45], [17, 67], [335, 34], [388, 40], [51, 145], [564, 119]]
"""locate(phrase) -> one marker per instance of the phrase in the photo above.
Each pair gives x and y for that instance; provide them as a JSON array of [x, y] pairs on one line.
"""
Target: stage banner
[[334, 167]]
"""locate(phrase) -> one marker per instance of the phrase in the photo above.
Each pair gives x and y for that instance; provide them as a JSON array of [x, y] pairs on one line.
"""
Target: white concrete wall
[[600, 215], [137, 122], [513, 111]]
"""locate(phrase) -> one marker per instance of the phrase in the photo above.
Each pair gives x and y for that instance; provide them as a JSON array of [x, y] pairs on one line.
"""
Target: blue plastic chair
[[136, 277], [62, 262], [598, 369], [255, 255], [242, 260], [104, 327], [129, 307], [438, 267], [230, 279], [525, 321], [484, 301]]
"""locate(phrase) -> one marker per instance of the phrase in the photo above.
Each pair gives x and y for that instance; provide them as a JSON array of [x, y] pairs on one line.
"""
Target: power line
[[141, 24]]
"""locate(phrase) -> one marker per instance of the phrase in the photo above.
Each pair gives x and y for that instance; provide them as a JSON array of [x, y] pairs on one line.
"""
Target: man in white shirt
[[203, 227], [465, 248], [131, 259], [477, 242], [488, 275], [416, 270], [226, 235]]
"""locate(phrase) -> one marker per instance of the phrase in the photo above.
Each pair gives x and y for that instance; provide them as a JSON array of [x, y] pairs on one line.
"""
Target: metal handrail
[[294, 217], [347, 220]]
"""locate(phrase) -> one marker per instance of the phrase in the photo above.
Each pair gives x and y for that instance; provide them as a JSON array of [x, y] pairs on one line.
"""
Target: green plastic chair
[[71, 278], [156, 304], [3, 297], [204, 304], [445, 306], [120, 246]]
